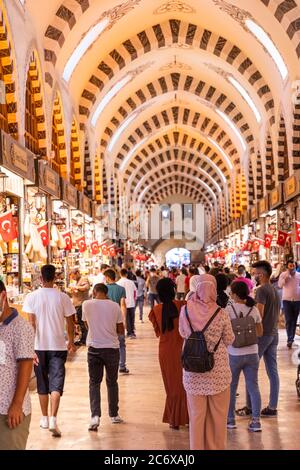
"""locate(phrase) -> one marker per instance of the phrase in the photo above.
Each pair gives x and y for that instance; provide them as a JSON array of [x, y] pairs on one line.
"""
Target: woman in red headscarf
[[208, 393], [165, 320]]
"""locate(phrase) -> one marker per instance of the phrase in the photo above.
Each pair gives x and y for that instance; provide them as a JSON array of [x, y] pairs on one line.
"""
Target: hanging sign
[[49, 180], [16, 158], [292, 187], [69, 194]]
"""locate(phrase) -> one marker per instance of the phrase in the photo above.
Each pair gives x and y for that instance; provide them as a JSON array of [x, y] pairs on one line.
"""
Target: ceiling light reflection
[[233, 127], [246, 97]]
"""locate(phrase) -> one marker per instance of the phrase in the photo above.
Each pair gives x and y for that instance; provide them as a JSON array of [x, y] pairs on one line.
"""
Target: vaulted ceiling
[[180, 91]]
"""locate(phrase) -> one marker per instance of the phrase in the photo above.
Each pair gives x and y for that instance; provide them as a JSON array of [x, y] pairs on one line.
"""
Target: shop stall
[[16, 170]]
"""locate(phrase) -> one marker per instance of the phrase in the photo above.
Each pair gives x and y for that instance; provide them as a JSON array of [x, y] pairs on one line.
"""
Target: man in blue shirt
[[117, 294]]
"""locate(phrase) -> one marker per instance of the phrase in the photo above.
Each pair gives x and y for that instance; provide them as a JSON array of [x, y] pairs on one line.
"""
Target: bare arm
[[261, 309], [120, 329], [32, 320], [70, 333], [123, 308], [259, 330], [282, 279], [15, 413]]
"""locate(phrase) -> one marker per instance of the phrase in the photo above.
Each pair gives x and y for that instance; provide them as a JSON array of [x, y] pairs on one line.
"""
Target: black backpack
[[195, 355], [244, 329]]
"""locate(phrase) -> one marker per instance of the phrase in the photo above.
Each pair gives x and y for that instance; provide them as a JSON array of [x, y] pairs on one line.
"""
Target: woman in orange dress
[[165, 320]]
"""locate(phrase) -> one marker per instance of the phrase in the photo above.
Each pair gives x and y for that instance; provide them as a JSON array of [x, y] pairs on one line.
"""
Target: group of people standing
[[215, 302]]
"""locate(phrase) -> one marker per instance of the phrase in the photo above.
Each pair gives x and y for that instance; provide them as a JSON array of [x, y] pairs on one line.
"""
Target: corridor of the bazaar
[[149, 225]]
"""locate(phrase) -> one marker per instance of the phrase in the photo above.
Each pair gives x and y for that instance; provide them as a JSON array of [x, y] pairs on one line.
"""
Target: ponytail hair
[[240, 289], [250, 302]]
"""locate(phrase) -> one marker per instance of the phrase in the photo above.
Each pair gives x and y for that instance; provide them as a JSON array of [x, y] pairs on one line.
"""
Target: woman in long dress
[[165, 320]]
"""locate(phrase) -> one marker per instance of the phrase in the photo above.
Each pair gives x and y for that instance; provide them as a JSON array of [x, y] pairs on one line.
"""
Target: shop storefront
[[16, 170], [291, 214]]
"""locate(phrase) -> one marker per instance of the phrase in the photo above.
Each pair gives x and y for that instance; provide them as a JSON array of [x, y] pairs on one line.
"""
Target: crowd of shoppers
[[223, 304]]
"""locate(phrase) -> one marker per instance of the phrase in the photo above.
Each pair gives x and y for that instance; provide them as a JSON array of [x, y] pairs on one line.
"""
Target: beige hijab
[[203, 304]]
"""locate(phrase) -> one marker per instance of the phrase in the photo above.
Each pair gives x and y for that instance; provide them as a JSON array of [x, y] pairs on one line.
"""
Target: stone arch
[[87, 168], [296, 129], [58, 143], [283, 157], [75, 160], [270, 166]]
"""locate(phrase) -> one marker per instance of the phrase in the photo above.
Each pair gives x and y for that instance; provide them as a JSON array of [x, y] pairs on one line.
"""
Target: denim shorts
[[50, 372]]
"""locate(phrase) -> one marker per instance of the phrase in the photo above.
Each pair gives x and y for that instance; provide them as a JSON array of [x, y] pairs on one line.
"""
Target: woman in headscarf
[[194, 281], [165, 320], [208, 393]]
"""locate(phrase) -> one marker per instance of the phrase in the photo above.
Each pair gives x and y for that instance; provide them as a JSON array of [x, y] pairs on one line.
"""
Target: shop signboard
[[69, 194], [16, 158], [276, 197], [253, 213], [292, 186], [263, 206], [245, 218], [48, 179], [84, 204]]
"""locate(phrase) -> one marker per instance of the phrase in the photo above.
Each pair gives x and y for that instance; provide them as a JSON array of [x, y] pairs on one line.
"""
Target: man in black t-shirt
[[268, 304]]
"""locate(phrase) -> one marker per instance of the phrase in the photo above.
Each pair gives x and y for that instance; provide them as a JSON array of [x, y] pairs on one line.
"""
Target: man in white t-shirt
[[105, 323], [47, 309], [100, 278], [131, 292]]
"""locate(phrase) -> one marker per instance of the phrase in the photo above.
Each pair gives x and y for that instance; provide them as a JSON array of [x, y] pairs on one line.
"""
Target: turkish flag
[[104, 249], [44, 233], [243, 246], [268, 240], [297, 232], [95, 248], [256, 245], [8, 227], [81, 243], [68, 240], [282, 238], [249, 245], [112, 251]]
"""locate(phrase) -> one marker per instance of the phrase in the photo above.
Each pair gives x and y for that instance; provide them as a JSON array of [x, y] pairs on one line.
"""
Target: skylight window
[[120, 130], [266, 42], [108, 97], [246, 97], [229, 164], [82, 47], [232, 126], [132, 152]]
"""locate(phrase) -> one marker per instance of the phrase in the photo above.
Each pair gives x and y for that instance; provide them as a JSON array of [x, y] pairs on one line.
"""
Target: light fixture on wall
[[39, 201]]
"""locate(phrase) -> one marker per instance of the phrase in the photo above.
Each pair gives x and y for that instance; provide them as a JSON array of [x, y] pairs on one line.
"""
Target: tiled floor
[[142, 402]]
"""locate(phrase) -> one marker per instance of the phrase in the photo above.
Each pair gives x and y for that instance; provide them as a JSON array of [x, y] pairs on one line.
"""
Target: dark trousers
[[81, 324], [140, 305], [130, 321], [291, 313], [97, 360], [152, 299]]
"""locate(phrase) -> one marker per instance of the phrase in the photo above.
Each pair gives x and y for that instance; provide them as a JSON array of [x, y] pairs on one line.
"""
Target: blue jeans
[[152, 299], [122, 351], [267, 348], [249, 364], [140, 304], [291, 313]]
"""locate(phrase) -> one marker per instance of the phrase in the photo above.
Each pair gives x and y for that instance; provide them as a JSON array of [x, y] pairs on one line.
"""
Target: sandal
[[244, 411]]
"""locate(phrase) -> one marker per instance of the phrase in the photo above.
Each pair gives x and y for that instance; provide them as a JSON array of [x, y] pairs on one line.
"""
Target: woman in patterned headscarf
[[208, 393], [165, 318]]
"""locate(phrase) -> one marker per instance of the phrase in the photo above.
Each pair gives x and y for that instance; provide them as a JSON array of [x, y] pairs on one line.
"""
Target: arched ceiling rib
[[177, 134]]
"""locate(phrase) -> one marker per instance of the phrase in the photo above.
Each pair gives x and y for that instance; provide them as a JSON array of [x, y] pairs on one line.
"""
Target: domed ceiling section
[[180, 92]]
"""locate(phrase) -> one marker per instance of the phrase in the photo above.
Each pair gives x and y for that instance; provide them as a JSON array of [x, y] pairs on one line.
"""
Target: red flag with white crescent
[[68, 241], [95, 248], [104, 249], [44, 234], [81, 243], [256, 245], [249, 245], [8, 227], [282, 238], [268, 240], [112, 251], [297, 231]]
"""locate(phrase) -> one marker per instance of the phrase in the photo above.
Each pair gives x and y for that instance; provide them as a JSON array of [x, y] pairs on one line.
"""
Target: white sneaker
[[117, 420], [53, 427], [94, 423], [44, 422]]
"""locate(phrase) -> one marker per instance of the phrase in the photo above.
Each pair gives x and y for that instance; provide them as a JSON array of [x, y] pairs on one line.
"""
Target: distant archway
[[177, 257]]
